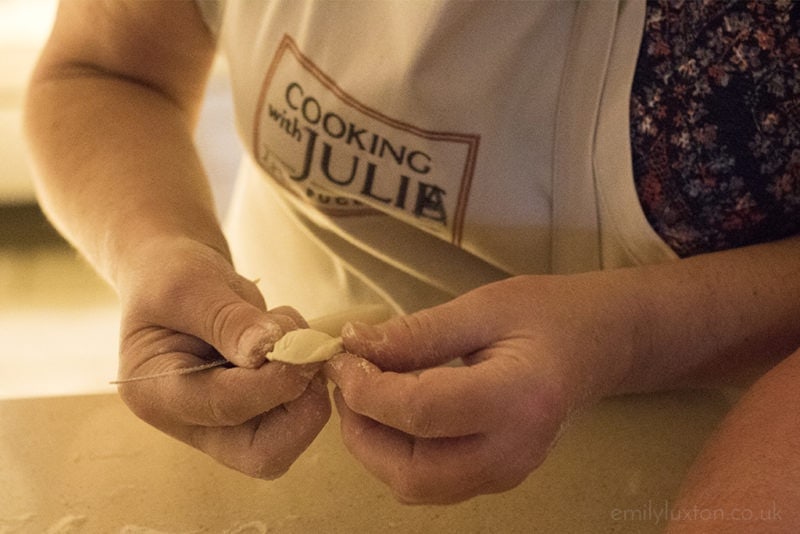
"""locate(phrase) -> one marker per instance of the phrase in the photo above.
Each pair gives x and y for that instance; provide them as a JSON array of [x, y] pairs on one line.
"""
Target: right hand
[[183, 305]]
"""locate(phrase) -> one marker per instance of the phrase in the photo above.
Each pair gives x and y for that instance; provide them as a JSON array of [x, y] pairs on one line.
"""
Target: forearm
[[109, 118], [699, 318], [748, 476], [115, 166]]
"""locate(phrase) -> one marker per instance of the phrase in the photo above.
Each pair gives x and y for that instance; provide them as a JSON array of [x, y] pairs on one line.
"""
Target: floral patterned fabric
[[715, 122]]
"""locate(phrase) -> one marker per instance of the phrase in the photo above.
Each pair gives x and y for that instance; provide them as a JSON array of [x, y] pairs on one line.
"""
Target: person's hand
[[183, 305], [442, 434]]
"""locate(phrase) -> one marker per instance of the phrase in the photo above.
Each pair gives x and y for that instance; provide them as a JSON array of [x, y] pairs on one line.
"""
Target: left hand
[[184, 304], [441, 434]]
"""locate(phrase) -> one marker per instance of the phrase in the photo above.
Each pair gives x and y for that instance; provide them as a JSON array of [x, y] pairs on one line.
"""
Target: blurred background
[[58, 319]]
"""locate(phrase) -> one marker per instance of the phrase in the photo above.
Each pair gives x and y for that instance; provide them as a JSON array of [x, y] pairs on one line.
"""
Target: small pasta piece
[[305, 345]]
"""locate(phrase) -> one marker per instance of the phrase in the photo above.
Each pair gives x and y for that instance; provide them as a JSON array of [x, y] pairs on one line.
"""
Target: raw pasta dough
[[305, 346], [318, 343]]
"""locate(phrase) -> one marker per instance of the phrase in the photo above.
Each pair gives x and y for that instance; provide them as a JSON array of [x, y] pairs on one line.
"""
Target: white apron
[[405, 152]]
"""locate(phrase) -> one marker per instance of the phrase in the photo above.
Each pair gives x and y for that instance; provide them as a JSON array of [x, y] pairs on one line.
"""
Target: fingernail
[[257, 341], [363, 331]]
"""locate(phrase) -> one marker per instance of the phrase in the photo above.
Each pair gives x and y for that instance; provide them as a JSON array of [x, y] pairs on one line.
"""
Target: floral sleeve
[[715, 122]]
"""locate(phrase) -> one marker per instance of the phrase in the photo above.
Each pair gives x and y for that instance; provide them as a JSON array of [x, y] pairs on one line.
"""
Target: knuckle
[[420, 421], [248, 290], [420, 331], [129, 394], [151, 293], [140, 402], [291, 316], [220, 320], [266, 469], [356, 395], [272, 463], [292, 389], [415, 324], [221, 412], [409, 488]]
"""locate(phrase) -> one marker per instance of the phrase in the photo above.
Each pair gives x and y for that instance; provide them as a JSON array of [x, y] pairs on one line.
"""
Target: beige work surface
[[84, 464]]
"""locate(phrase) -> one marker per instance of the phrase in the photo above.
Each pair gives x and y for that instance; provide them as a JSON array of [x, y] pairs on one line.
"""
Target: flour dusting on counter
[[70, 524]]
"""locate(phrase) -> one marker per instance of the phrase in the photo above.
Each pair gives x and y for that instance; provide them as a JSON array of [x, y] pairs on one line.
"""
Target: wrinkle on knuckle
[[420, 421], [417, 325], [221, 412], [421, 332], [420, 410], [241, 286], [220, 321], [135, 337]]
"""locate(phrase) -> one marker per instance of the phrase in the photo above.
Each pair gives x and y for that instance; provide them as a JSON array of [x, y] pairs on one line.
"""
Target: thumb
[[428, 338], [236, 324], [188, 287], [226, 311]]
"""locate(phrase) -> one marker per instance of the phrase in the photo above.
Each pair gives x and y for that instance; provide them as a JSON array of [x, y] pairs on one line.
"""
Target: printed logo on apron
[[347, 159]]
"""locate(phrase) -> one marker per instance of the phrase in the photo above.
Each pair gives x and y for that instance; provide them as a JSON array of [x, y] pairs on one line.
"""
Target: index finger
[[216, 397], [435, 403]]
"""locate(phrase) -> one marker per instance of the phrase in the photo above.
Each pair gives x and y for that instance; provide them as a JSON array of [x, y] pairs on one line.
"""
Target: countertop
[[85, 464]]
